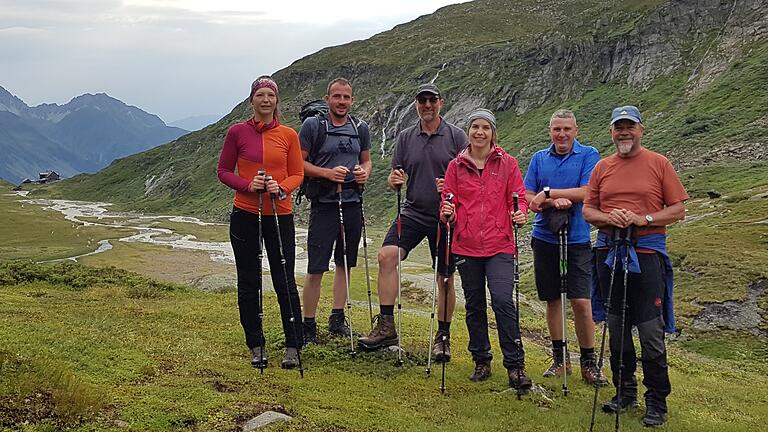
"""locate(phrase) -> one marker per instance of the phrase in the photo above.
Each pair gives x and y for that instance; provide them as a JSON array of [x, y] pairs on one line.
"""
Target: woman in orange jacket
[[270, 166]]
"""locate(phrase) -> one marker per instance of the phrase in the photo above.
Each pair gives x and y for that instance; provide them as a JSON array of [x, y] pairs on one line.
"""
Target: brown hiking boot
[[383, 335], [442, 350], [557, 368], [591, 374], [482, 371], [519, 380]]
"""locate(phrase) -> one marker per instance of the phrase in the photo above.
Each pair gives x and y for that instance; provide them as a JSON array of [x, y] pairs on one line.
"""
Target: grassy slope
[[163, 359], [686, 125], [101, 345]]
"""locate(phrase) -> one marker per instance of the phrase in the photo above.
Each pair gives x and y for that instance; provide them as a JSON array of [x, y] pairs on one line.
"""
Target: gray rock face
[[265, 419], [697, 37]]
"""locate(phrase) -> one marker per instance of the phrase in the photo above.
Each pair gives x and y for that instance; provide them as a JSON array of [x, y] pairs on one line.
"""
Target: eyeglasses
[[423, 99]]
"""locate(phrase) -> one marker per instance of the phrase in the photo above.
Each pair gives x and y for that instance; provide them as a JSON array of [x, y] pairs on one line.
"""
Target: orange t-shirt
[[643, 184], [276, 150]]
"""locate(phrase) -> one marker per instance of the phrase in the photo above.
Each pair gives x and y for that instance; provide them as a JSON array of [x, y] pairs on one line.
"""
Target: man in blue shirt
[[555, 185]]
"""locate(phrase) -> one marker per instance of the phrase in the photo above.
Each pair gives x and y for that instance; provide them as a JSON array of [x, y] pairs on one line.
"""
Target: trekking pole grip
[[515, 205], [262, 172]]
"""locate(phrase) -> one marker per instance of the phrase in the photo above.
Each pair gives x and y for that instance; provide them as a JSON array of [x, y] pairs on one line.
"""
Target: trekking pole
[[399, 275], [434, 303], [624, 263], [292, 319], [563, 290], [346, 267], [449, 199], [361, 190], [607, 307], [516, 287], [262, 359]]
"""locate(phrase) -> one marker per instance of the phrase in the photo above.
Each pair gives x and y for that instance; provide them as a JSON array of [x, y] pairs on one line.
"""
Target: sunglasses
[[423, 99]]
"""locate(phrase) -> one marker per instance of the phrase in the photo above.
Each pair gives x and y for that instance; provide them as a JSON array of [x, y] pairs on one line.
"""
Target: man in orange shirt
[[636, 188]]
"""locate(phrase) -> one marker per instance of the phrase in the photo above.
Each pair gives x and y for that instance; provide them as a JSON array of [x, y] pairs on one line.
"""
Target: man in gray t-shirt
[[336, 159], [422, 152]]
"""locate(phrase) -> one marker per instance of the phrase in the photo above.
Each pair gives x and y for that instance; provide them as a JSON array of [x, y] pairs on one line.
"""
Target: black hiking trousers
[[244, 235], [645, 292], [498, 272]]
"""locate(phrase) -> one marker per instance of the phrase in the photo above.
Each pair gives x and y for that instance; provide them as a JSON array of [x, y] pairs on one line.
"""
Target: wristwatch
[[546, 191], [649, 219]]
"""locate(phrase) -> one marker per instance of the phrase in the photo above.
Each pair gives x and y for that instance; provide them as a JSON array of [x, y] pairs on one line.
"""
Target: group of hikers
[[467, 197]]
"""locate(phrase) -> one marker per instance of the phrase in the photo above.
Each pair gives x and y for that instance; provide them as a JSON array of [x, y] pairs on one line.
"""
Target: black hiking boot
[[442, 350], [653, 416], [291, 359], [518, 380], [310, 332], [383, 335], [613, 405], [338, 326], [259, 357], [482, 371]]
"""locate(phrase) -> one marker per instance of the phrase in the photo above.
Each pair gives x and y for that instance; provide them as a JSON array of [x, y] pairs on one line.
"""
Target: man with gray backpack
[[337, 162]]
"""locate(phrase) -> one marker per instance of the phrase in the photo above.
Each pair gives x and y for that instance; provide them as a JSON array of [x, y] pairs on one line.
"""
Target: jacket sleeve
[[515, 184], [227, 163], [295, 164]]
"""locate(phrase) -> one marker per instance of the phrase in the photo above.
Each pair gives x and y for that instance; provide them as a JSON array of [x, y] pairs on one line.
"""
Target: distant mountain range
[[84, 135], [195, 123]]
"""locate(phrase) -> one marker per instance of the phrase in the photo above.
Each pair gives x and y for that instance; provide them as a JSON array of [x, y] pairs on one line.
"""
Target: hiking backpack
[[318, 108]]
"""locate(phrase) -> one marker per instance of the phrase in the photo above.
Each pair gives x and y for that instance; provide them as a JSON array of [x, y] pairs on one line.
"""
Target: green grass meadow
[[114, 345]]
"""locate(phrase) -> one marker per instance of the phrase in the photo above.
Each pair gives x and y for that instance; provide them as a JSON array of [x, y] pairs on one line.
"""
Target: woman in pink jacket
[[482, 179]]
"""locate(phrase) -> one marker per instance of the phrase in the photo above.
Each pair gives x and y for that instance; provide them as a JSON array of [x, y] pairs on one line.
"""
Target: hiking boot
[[591, 374], [259, 357], [310, 332], [291, 359], [442, 350], [557, 368], [613, 405], [337, 325], [519, 380], [482, 371], [653, 417], [383, 334]]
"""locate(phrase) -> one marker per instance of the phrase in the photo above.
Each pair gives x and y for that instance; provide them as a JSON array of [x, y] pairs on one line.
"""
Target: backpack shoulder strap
[[320, 135]]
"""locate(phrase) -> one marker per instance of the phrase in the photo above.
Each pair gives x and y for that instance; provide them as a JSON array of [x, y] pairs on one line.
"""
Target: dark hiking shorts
[[413, 233], [546, 263], [324, 231]]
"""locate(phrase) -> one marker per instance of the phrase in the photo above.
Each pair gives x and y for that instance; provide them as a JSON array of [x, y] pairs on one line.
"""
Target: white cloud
[[175, 58]]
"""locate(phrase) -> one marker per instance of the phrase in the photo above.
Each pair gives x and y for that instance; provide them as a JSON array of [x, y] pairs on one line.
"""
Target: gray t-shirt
[[342, 146], [424, 158]]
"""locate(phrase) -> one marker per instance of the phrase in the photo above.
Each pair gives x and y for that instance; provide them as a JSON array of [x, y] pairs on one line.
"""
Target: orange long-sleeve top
[[250, 146]]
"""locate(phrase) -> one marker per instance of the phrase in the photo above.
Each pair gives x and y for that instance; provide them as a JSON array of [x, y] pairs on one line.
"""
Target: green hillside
[[697, 70]]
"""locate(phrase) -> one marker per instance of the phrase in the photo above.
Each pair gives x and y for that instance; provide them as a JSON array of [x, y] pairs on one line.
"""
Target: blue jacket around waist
[[655, 242]]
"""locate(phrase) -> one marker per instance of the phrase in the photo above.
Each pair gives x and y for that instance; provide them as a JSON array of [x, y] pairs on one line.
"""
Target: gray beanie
[[482, 113]]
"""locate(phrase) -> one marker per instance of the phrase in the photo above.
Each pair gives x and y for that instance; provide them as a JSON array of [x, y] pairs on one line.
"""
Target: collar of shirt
[[576, 149], [440, 129]]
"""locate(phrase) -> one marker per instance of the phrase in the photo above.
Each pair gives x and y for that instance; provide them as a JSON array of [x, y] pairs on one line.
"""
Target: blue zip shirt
[[572, 170]]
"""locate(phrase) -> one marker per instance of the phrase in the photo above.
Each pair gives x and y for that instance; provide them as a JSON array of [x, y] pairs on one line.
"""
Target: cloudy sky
[[174, 58]]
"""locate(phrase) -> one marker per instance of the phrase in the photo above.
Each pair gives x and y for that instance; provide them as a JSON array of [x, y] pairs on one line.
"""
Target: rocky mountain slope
[[698, 69]]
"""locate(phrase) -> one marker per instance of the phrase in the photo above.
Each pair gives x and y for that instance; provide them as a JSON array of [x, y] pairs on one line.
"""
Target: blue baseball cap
[[626, 112]]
